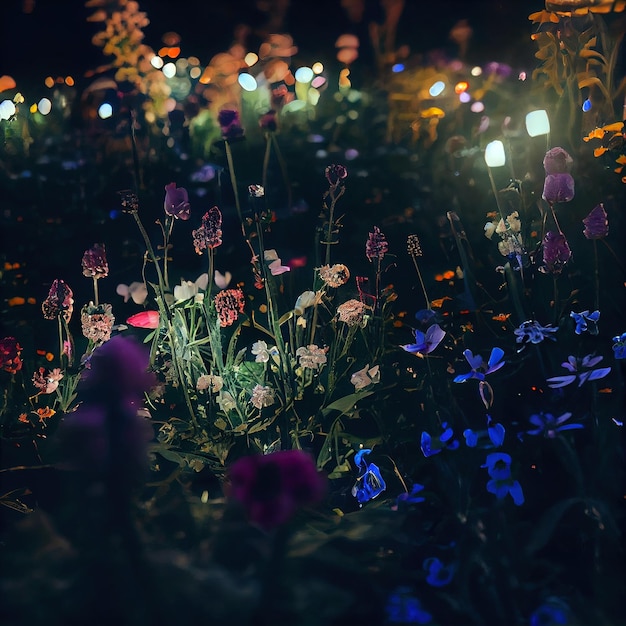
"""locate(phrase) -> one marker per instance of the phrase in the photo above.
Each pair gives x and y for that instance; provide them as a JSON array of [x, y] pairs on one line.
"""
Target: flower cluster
[[209, 235], [97, 322], [10, 355], [311, 356], [376, 246], [95, 263], [334, 275], [352, 312], [229, 304], [60, 301]]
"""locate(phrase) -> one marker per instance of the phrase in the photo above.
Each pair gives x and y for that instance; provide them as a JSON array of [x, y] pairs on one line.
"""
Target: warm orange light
[[69, 81], [173, 52], [461, 87], [49, 82]]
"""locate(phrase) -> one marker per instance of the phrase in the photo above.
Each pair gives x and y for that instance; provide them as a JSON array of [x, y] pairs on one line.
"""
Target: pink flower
[[145, 319], [209, 235], [176, 202], [271, 488], [229, 304], [335, 174], [376, 246]]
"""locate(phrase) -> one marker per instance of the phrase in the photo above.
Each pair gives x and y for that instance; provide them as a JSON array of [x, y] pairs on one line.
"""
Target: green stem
[[233, 180], [419, 275], [283, 170], [266, 162]]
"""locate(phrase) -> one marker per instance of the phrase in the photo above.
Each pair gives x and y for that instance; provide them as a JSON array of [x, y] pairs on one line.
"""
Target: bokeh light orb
[[304, 74], [169, 69], [105, 111], [247, 81], [437, 88], [44, 106]]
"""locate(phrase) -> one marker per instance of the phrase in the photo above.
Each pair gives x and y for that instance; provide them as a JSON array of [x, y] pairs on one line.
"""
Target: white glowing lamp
[[494, 154], [537, 123]]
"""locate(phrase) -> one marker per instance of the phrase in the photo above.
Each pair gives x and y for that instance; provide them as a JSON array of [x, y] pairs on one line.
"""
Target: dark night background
[[54, 38]]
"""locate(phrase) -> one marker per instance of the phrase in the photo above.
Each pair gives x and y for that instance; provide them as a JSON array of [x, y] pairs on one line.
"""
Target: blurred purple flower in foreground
[[230, 124], [272, 487]]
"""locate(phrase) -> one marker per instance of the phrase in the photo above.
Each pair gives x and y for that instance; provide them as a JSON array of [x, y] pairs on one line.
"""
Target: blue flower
[[439, 575], [582, 369], [554, 612], [495, 433], [404, 608], [369, 483], [549, 426], [425, 342], [431, 446], [534, 332], [412, 497], [498, 466], [586, 321], [479, 368], [426, 316], [619, 346]]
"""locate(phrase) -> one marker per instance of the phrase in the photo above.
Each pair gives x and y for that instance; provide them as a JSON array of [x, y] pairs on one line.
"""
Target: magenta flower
[[556, 253], [176, 202], [94, 262], [596, 223], [272, 487], [10, 355], [335, 174], [230, 124]]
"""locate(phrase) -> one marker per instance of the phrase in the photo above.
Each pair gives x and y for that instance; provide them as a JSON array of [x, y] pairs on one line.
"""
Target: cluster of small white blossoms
[[311, 356], [262, 396]]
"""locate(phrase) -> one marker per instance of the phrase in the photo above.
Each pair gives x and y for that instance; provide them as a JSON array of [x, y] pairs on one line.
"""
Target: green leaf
[[346, 404]]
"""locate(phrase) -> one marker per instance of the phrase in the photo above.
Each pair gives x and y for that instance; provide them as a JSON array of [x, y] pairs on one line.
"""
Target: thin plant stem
[[556, 300], [95, 290], [554, 217], [233, 180], [596, 275], [266, 161], [283, 169], [419, 275]]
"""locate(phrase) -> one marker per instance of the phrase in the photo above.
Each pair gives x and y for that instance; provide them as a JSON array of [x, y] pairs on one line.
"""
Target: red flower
[[229, 303], [145, 319], [10, 355], [272, 487]]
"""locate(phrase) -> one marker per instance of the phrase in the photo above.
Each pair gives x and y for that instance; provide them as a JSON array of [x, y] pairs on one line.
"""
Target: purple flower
[[209, 235], [94, 262], [425, 342], [335, 174], [479, 368], [230, 124], [272, 487], [596, 223], [581, 369], [376, 246], [60, 301], [557, 161], [176, 202], [556, 253], [533, 332], [558, 188], [268, 121], [549, 426]]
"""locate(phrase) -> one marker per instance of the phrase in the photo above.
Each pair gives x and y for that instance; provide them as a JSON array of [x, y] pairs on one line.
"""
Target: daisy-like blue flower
[[480, 369], [439, 575], [581, 369], [533, 332], [586, 321], [550, 426], [619, 346], [498, 466], [369, 484], [434, 445], [425, 342]]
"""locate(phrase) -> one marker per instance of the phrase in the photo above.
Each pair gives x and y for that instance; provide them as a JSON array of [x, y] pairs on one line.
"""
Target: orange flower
[[45, 413], [23, 418]]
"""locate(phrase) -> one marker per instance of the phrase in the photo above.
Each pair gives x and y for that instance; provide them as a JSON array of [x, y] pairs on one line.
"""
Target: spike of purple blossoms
[[376, 246], [209, 235], [556, 253], [94, 262], [596, 223]]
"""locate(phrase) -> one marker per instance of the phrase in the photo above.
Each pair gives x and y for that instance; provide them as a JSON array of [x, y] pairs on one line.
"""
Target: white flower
[[366, 376], [490, 228], [226, 401], [305, 300], [262, 396], [311, 357], [259, 349], [222, 280], [188, 289]]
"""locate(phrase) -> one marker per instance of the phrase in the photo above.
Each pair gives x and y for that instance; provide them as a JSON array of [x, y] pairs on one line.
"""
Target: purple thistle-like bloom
[[94, 262], [335, 174], [272, 487], [558, 188], [556, 253], [176, 202], [209, 235], [230, 124], [557, 161], [596, 223], [376, 246]]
